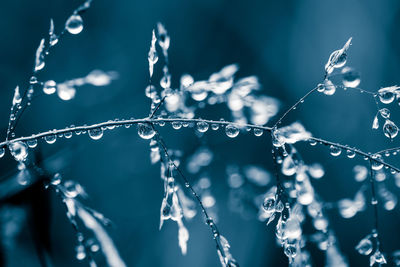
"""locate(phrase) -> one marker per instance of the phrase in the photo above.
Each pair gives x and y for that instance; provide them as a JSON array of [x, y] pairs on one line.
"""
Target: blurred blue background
[[285, 43]]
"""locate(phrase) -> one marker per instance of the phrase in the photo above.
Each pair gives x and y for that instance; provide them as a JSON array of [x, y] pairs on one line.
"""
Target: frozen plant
[[289, 198]]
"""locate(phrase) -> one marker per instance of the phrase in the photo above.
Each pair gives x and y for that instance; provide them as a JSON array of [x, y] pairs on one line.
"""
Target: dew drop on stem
[[146, 131], [74, 24], [231, 131]]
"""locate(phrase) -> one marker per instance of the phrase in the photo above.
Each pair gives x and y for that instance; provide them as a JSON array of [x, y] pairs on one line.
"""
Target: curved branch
[[161, 120]]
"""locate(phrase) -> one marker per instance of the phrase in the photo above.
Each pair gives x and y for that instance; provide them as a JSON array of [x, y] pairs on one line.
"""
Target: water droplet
[[65, 92], [288, 166], [375, 165], [214, 126], [387, 94], [365, 246], [32, 143], [50, 139], [320, 88], [335, 151], [351, 78], [68, 135], [390, 129], [2, 152], [33, 80], [269, 204], [49, 87], [18, 150], [80, 252], [231, 131], [146, 131], [176, 125], [330, 88], [258, 132], [350, 153], [96, 133], [202, 126], [74, 24], [375, 123], [312, 142], [385, 113]]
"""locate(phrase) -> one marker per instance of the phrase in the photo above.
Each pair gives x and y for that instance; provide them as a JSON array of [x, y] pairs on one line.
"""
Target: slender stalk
[[209, 220], [161, 120], [301, 100]]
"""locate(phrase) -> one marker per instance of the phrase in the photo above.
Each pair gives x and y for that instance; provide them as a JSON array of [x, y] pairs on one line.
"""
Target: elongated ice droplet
[[39, 60], [375, 123]]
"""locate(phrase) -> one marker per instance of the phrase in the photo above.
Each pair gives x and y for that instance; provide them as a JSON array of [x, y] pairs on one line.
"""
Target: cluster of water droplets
[[171, 208]]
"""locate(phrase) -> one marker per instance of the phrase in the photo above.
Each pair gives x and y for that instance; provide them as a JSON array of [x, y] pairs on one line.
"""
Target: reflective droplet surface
[[50, 139], [365, 246], [176, 125], [32, 143], [146, 131], [258, 132], [387, 94], [390, 129], [329, 87], [335, 151], [202, 126], [351, 78], [18, 150], [269, 204], [49, 87], [2, 152], [65, 92], [96, 133], [231, 131], [74, 24], [350, 154]]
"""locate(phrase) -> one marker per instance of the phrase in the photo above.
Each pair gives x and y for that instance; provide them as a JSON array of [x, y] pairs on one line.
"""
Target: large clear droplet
[[335, 151], [2, 152], [269, 204], [49, 87], [231, 131], [387, 95], [146, 131], [330, 88], [74, 24], [288, 166], [390, 129], [32, 143], [258, 132], [50, 139], [176, 125], [65, 92], [351, 78], [365, 246], [385, 113], [96, 133], [202, 126], [18, 150], [350, 154]]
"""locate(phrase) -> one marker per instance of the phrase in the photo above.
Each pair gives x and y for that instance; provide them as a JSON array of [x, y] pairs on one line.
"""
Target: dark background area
[[285, 43]]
